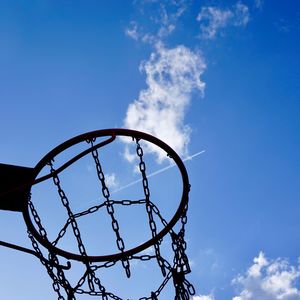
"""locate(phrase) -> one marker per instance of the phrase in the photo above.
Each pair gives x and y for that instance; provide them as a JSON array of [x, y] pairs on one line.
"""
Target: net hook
[[29, 251]]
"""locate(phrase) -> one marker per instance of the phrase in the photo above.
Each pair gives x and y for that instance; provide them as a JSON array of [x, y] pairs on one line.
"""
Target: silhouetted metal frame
[[112, 133]]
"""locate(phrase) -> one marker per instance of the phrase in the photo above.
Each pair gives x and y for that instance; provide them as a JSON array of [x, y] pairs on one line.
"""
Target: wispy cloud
[[258, 4], [162, 17], [172, 75], [283, 25], [213, 19], [132, 31], [111, 181], [241, 15], [268, 280]]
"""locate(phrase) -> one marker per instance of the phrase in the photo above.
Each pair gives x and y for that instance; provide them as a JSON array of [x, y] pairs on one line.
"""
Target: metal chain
[[37, 219], [62, 280], [110, 208], [161, 287], [49, 268], [62, 232], [180, 261], [183, 288], [65, 203], [158, 213], [142, 167], [91, 274]]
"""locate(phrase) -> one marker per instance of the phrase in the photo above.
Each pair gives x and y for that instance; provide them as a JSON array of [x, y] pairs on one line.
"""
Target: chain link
[[177, 271], [56, 280], [110, 209], [152, 224], [183, 288], [90, 273], [65, 203]]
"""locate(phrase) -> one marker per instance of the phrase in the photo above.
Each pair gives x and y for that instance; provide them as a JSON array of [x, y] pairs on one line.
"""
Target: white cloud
[[132, 31], [204, 297], [258, 4], [169, 13], [128, 155], [241, 14], [212, 19], [111, 181], [268, 280], [163, 16], [172, 75]]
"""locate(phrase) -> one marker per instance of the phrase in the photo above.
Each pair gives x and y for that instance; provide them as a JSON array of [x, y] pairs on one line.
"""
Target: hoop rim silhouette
[[112, 133]]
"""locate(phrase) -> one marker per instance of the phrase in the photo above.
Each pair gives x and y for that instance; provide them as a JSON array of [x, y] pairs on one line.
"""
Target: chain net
[[90, 283]]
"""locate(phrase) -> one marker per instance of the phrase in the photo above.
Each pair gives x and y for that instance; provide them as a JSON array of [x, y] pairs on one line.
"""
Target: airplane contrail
[[157, 172]]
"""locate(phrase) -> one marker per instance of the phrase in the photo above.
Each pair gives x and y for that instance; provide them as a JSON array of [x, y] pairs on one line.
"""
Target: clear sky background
[[226, 77]]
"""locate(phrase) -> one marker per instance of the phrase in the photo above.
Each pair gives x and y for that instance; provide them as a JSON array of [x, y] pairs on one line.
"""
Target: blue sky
[[224, 78]]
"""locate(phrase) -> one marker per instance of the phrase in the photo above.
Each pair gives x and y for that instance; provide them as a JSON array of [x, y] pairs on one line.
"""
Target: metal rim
[[113, 133]]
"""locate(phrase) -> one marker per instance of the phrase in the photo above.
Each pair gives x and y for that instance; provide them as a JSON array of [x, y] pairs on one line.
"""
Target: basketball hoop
[[68, 241]]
